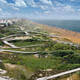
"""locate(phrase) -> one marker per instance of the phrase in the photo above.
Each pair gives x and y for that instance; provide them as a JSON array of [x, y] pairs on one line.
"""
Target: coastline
[[70, 35]]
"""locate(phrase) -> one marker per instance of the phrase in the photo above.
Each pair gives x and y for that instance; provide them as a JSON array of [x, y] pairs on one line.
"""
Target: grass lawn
[[26, 43], [38, 63], [1, 43]]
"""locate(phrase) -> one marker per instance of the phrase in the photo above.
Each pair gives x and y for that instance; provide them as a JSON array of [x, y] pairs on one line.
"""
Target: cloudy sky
[[40, 9]]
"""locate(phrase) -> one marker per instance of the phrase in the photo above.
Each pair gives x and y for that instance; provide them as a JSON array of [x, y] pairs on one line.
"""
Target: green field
[[21, 43]]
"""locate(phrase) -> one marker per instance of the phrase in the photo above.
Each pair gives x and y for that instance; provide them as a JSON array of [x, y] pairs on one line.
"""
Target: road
[[58, 75], [3, 50]]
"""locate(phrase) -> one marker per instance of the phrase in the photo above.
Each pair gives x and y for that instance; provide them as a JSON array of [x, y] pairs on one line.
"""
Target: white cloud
[[31, 3], [68, 8], [15, 8], [3, 1], [47, 2], [47, 12], [20, 3], [0, 9], [43, 7]]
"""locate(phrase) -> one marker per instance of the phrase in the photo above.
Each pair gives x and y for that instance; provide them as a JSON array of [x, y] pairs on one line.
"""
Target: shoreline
[[64, 33]]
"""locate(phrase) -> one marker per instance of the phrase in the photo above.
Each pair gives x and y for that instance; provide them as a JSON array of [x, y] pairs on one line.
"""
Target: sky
[[40, 9]]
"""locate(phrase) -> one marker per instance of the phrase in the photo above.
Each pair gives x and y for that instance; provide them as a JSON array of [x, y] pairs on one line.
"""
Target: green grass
[[38, 63], [33, 63], [26, 43], [1, 43], [31, 49]]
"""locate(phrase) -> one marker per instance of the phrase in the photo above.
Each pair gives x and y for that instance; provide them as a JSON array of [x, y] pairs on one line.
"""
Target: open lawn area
[[23, 43]]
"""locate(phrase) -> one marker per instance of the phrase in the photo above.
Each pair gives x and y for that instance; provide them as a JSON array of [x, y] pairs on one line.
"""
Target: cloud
[[47, 12], [0, 9], [15, 8], [31, 3], [20, 3], [3, 1], [43, 8], [49, 2], [68, 8]]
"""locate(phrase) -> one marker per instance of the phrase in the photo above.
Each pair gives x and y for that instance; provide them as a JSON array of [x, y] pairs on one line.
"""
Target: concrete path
[[6, 78], [3, 50], [3, 71], [58, 75], [3, 79], [9, 44]]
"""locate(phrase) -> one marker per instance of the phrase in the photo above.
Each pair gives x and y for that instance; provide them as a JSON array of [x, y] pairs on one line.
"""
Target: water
[[73, 25]]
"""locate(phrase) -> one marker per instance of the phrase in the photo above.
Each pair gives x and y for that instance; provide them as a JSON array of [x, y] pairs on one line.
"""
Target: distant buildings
[[5, 23]]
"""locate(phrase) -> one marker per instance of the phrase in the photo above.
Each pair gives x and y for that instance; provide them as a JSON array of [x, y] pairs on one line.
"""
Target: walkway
[[9, 44], [58, 75], [3, 50]]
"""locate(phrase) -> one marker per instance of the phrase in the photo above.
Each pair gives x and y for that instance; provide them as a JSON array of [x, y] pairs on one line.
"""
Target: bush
[[60, 46], [66, 67], [73, 59], [1, 43], [62, 53], [43, 54], [2, 65]]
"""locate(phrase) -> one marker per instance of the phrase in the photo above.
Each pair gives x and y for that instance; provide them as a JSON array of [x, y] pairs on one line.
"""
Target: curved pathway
[[3, 78], [58, 75], [9, 44], [3, 50]]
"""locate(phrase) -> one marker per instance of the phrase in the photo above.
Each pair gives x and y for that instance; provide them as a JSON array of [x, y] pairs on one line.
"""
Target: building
[[5, 23]]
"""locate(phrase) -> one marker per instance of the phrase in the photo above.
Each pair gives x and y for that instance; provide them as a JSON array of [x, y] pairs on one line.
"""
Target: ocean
[[73, 25]]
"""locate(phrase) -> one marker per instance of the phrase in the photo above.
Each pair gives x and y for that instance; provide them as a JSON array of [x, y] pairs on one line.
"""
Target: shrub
[[73, 59], [62, 53], [60, 46]]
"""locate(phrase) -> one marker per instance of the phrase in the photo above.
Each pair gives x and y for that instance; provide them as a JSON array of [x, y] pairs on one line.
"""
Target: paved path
[[7, 37], [19, 38], [13, 46], [70, 43], [23, 30], [26, 33], [3, 71], [6, 78], [3, 50], [3, 79], [58, 75], [9, 44]]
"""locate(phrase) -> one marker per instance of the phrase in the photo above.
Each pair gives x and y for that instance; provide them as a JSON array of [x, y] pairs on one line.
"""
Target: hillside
[[27, 25], [72, 36], [29, 50]]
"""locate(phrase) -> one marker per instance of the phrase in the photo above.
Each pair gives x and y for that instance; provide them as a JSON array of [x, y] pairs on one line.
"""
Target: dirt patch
[[72, 36]]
